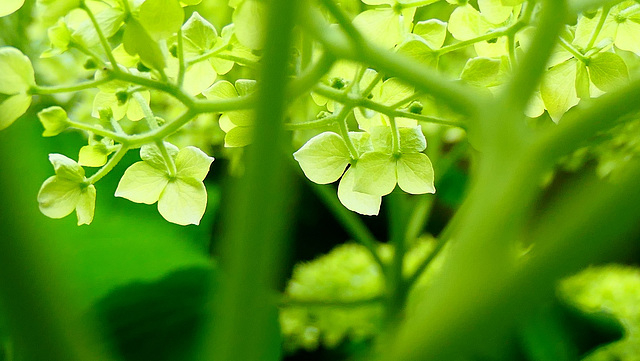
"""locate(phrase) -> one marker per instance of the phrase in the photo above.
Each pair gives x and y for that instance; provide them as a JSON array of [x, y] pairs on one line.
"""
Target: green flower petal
[[183, 201], [142, 183]]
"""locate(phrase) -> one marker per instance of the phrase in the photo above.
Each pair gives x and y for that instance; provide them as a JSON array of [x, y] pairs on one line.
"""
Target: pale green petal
[[583, 84], [238, 137], [393, 90], [419, 51], [221, 90], [93, 155], [381, 26], [586, 26], [134, 110], [221, 66], [381, 138], [323, 158], [466, 23], [558, 89], [433, 31], [482, 72], [362, 203], [225, 123], [183, 201], [192, 162], [110, 101], [58, 197], [535, 108], [161, 18], [137, 41], [8, 7], [142, 183], [412, 139], [415, 174], [361, 141], [86, 206], [200, 32], [66, 168], [13, 108], [244, 118], [54, 120], [249, 19], [628, 35], [608, 71], [494, 11], [375, 174], [245, 86], [16, 72], [199, 77], [151, 154]]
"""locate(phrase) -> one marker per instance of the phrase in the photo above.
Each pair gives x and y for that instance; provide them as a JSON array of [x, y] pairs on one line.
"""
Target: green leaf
[[249, 19], [558, 89], [415, 174], [183, 201], [161, 18], [54, 120], [8, 7], [323, 158], [362, 203], [608, 71], [433, 31], [375, 174], [482, 72], [192, 162], [142, 183], [137, 41]]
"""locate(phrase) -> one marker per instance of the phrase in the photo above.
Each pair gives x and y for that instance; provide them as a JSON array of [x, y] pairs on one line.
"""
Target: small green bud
[[337, 83], [142, 68], [492, 41], [416, 107], [122, 97], [323, 114], [90, 64], [105, 114], [173, 50]]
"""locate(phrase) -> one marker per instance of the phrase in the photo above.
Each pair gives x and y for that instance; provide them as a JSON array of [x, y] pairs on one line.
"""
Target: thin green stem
[[113, 161], [42, 90], [152, 122], [311, 75], [168, 160], [425, 80], [90, 53], [413, 278], [103, 40], [312, 124], [117, 127], [418, 218], [350, 221], [181, 64], [395, 137], [343, 21], [362, 101], [341, 118], [206, 56], [98, 130], [396, 287], [596, 31], [404, 101], [573, 50]]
